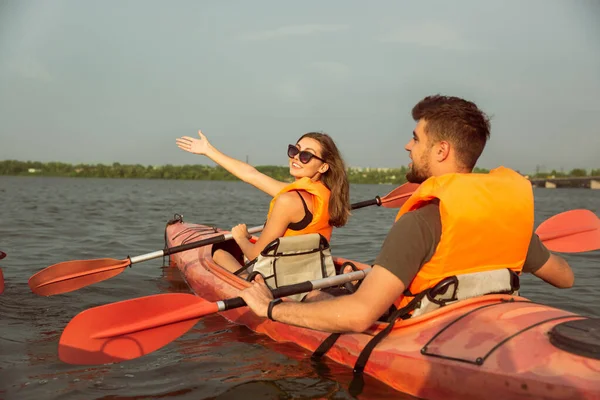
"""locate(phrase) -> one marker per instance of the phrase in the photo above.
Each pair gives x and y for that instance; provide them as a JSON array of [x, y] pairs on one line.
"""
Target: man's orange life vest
[[320, 194], [487, 223]]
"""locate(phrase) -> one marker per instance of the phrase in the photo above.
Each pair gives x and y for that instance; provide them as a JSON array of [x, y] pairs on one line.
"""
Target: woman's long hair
[[334, 178]]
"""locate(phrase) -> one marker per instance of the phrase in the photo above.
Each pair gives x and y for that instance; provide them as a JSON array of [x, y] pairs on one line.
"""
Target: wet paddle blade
[[72, 275], [92, 336], [397, 197], [572, 231]]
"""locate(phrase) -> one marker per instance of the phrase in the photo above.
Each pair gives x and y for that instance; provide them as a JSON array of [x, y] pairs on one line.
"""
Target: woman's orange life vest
[[487, 223], [320, 194]]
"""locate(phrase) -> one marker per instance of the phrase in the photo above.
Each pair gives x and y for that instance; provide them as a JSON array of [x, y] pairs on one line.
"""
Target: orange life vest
[[320, 194], [487, 223]]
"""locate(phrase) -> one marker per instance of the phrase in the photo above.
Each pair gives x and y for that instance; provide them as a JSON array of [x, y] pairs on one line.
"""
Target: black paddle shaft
[[283, 291], [373, 202], [193, 245], [301, 287]]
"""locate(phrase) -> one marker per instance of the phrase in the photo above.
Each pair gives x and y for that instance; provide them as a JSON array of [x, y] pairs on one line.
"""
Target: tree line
[[194, 172], [217, 173]]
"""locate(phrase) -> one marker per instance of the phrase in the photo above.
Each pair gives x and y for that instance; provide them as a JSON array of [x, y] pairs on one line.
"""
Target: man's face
[[419, 150]]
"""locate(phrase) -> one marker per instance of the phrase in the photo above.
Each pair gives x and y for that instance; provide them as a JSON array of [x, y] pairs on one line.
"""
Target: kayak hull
[[494, 344]]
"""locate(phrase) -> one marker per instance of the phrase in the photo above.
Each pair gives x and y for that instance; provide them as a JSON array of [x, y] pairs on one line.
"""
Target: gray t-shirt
[[412, 240]]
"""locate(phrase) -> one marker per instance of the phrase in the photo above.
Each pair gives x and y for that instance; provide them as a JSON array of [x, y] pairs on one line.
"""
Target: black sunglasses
[[304, 157]]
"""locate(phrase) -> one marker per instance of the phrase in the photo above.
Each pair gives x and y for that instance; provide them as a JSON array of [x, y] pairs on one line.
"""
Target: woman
[[315, 202]]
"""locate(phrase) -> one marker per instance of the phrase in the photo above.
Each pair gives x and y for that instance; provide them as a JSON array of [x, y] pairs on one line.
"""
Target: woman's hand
[[197, 146], [240, 233]]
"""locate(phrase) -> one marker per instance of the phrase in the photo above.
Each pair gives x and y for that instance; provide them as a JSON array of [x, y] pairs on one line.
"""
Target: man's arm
[[407, 246], [549, 267], [351, 313], [557, 272]]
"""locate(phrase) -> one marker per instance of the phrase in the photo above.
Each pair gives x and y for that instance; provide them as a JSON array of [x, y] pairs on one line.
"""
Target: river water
[[44, 221]]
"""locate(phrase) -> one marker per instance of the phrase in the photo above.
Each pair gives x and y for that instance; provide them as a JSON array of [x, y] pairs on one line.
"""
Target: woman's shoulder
[[289, 204], [291, 198]]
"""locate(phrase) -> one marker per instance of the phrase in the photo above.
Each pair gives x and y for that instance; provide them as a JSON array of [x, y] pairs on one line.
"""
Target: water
[[49, 220]]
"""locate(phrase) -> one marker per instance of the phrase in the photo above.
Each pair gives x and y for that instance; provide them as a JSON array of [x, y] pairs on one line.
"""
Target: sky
[[118, 81]]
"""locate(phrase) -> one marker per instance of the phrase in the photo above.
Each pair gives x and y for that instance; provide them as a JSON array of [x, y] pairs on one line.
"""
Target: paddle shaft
[[189, 246], [297, 288], [193, 311], [373, 202]]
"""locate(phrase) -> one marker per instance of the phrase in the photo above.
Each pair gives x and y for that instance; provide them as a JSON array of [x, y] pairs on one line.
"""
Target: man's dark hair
[[457, 121]]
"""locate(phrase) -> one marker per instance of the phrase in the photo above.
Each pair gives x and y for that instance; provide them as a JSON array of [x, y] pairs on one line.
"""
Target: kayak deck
[[471, 349]]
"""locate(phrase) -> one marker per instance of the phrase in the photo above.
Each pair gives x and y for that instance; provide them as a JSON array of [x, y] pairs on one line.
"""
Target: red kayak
[[493, 346]]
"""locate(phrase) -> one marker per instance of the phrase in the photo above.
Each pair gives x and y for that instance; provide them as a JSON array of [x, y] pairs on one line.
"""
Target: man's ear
[[442, 151]]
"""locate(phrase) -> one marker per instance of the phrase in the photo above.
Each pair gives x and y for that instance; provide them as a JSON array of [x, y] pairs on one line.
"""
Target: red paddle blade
[[72, 275], [572, 231], [147, 323], [2, 255], [397, 197]]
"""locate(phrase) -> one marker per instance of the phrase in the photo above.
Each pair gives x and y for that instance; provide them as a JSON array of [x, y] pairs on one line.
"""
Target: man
[[457, 222]]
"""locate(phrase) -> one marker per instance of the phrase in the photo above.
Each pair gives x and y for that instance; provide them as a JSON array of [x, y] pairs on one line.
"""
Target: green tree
[[578, 172]]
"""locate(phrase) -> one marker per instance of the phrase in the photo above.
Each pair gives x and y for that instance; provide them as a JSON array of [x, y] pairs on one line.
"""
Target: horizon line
[[382, 169]]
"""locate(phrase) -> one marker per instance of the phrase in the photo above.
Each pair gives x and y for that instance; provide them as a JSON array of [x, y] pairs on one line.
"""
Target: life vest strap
[[466, 286], [325, 346]]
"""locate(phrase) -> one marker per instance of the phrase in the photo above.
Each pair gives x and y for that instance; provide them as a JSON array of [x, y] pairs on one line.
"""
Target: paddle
[[2, 255], [72, 275], [132, 328], [393, 199], [573, 231]]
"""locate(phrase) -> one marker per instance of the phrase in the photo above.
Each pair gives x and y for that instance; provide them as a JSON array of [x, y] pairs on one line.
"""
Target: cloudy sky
[[118, 81]]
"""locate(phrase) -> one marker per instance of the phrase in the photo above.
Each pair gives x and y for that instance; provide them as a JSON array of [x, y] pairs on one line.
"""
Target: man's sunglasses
[[304, 157]]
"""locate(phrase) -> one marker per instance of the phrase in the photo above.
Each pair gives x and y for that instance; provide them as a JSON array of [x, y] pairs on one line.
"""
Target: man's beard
[[418, 175]]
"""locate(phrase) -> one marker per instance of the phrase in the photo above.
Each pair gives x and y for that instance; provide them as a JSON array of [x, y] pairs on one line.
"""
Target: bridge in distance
[[590, 182]]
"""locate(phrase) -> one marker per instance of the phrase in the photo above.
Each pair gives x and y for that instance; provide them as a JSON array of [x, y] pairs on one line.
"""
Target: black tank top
[[308, 216]]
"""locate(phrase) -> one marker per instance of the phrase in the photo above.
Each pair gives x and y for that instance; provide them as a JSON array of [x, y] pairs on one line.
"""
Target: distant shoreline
[[217, 173]]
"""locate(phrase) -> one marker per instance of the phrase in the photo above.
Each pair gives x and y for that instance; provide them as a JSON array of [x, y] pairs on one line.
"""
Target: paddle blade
[[87, 339], [572, 231], [397, 197], [72, 275]]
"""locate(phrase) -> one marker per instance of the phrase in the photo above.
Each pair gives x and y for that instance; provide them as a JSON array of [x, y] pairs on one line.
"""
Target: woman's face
[[313, 166]]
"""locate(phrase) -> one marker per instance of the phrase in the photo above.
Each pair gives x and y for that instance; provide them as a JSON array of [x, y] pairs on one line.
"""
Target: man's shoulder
[[430, 209], [428, 214]]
